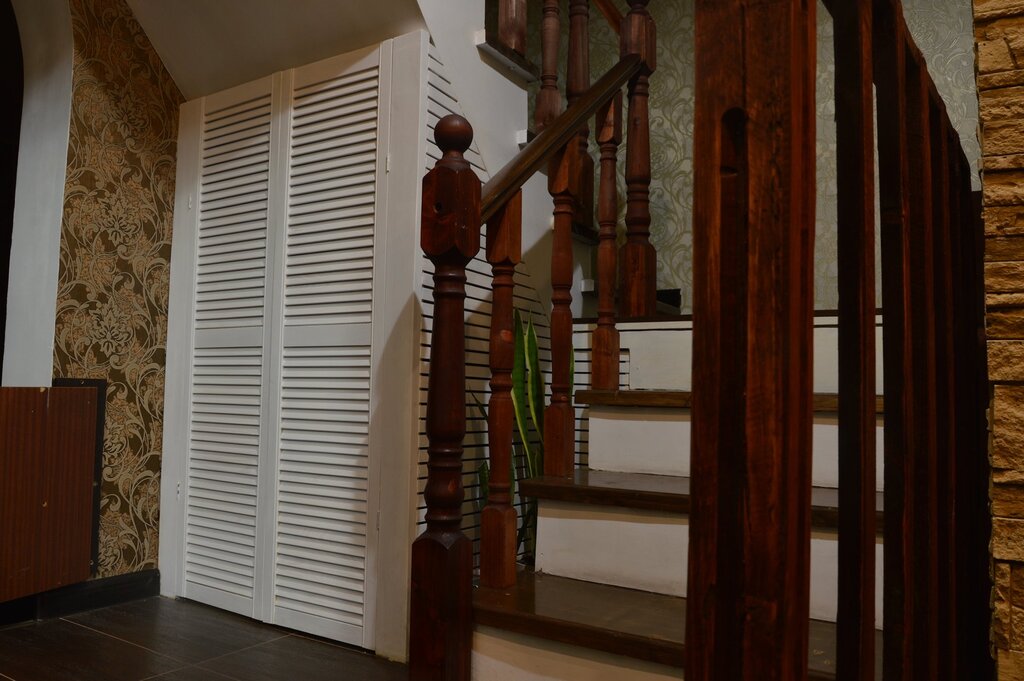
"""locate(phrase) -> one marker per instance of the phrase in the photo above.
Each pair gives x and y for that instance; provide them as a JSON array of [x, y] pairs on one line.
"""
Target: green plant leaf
[[519, 379], [535, 380], [483, 476]]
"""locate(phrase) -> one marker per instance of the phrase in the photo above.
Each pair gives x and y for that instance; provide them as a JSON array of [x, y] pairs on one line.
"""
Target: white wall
[[47, 45], [497, 108]]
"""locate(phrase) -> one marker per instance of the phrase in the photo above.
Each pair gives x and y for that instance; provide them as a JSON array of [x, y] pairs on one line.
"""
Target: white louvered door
[[323, 524], [280, 514], [228, 359]]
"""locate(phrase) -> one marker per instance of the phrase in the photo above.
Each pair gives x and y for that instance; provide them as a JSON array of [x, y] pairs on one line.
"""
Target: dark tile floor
[[176, 640]]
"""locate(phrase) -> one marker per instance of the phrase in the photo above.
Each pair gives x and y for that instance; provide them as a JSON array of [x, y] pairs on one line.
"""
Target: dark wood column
[[753, 313]]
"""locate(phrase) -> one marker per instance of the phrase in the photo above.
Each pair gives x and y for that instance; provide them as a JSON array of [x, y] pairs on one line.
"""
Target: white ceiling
[[210, 45]]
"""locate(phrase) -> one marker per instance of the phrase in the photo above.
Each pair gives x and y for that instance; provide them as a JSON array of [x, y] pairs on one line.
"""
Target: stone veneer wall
[[999, 33], [114, 262]]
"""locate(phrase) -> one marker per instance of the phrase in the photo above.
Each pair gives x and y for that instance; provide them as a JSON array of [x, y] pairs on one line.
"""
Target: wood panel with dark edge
[[945, 388], [924, 425], [894, 170], [667, 494], [100, 386], [855, 152], [613, 619], [823, 403], [46, 469], [754, 131]]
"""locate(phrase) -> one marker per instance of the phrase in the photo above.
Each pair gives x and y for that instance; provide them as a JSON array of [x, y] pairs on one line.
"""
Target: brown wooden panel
[[923, 426], [894, 171], [747, 616], [855, 623], [46, 488], [945, 389]]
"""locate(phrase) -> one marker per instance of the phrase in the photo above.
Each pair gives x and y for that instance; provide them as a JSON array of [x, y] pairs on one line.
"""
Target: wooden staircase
[[742, 521]]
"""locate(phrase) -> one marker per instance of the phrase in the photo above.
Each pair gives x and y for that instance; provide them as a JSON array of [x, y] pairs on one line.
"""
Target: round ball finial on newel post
[[442, 556]]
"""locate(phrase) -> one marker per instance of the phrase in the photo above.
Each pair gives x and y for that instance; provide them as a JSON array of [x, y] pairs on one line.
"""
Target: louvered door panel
[[323, 461], [228, 361]]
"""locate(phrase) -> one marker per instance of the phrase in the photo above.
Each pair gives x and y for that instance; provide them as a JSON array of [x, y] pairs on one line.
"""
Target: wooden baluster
[[577, 80], [749, 555], [638, 263], [922, 330], [498, 519], [854, 101], [441, 626], [605, 372], [902, 396], [512, 25], [559, 419], [945, 389], [549, 99]]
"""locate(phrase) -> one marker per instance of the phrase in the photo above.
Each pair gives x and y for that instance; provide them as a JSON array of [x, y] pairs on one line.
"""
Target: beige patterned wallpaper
[[114, 253], [942, 28]]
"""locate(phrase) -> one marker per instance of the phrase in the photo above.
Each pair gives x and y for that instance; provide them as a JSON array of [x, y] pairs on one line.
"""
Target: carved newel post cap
[[453, 133], [450, 226]]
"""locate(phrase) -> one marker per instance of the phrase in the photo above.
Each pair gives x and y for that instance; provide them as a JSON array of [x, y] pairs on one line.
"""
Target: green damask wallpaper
[[942, 28], [114, 253]]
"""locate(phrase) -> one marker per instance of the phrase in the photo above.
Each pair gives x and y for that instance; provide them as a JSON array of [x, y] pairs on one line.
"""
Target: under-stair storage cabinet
[[48, 462], [291, 364]]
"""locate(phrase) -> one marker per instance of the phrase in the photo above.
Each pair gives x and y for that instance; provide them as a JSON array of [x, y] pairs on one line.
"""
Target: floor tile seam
[[189, 666], [239, 650], [184, 663]]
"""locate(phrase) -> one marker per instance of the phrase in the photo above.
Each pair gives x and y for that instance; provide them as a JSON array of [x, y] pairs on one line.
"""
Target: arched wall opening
[[13, 80]]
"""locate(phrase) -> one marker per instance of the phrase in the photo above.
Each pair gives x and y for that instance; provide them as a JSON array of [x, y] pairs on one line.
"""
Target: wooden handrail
[[611, 13], [510, 179]]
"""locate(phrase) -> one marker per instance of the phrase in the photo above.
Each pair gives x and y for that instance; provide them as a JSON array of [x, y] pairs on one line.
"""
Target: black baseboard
[[96, 593]]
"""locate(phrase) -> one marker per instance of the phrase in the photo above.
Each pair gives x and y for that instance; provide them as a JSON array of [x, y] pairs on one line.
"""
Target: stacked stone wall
[[999, 33]]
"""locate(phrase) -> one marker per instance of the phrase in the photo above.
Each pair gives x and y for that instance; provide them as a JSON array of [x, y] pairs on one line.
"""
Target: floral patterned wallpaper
[[942, 28], [114, 253]]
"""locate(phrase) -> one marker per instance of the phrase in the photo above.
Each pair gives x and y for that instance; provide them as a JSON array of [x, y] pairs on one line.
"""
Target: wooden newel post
[[605, 375], [498, 519], [441, 627], [638, 263]]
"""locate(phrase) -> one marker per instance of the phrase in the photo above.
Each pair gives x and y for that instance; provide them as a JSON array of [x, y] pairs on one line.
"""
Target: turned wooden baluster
[[549, 100], [577, 81], [442, 557], [605, 373], [512, 25], [559, 432], [637, 296], [498, 519]]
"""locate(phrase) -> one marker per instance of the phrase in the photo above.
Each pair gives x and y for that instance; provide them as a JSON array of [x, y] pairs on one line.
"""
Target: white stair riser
[[657, 441], [505, 656], [621, 546], [647, 550], [660, 354]]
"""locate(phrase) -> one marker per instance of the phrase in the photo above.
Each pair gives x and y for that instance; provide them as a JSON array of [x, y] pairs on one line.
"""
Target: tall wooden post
[[441, 627], [901, 396], [498, 519], [638, 261], [559, 418], [748, 591], [605, 368], [855, 622]]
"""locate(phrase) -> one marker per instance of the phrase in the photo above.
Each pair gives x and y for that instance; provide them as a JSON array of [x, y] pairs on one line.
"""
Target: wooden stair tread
[[824, 403], [616, 620], [664, 493], [622, 621]]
